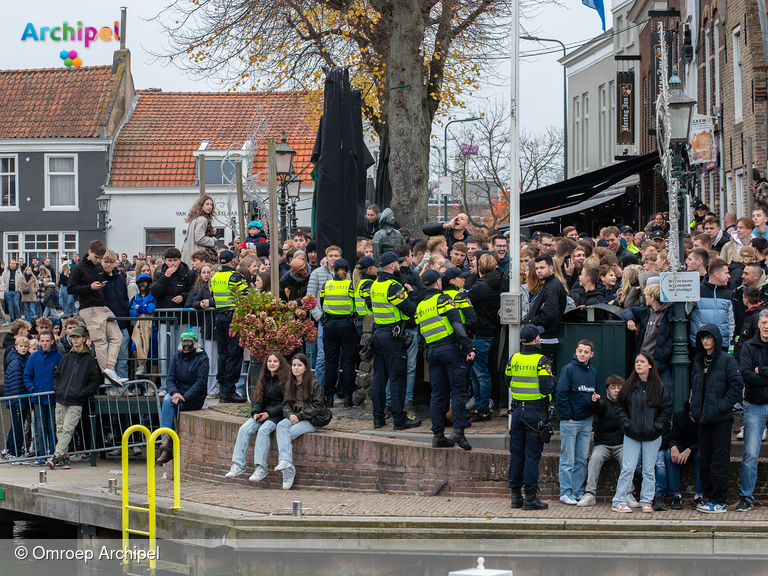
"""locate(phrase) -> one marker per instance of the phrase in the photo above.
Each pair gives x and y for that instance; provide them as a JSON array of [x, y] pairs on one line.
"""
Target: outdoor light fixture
[[284, 158], [103, 202], [680, 110], [293, 188]]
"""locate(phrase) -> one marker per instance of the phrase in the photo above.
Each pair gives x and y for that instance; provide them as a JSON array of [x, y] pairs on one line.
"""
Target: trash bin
[[604, 326]]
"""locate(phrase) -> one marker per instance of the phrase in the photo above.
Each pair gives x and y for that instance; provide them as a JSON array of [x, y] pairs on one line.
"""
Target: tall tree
[[410, 58]]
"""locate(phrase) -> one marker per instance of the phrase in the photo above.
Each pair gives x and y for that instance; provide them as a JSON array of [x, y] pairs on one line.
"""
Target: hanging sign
[[703, 142], [625, 83]]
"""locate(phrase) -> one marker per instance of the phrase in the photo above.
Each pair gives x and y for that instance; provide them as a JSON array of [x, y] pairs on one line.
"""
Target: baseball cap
[[529, 332], [536, 235], [583, 235], [430, 277], [366, 262], [626, 228], [341, 263], [452, 273], [657, 233], [226, 256], [79, 331], [389, 257]]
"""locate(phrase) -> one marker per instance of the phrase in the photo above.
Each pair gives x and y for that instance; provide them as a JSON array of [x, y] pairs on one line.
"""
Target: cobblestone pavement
[[339, 503]]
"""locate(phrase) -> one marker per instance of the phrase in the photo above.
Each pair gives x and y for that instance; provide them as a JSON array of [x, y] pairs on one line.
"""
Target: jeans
[[715, 459], [169, 412], [13, 299], [320, 361], [574, 450], [661, 473], [30, 310], [410, 379], [524, 453], [601, 453], [67, 302], [310, 349], [755, 416], [46, 439], [121, 366], [286, 434], [51, 313], [673, 473], [631, 453], [481, 377], [261, 430]]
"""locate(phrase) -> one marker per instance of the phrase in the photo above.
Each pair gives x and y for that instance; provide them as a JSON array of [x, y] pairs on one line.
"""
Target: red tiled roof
[[155, 148], [54, 102]]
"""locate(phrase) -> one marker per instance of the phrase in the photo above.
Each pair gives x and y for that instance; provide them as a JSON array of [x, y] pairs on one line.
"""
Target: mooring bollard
[[112, 486], [297, 508], [43, 478]]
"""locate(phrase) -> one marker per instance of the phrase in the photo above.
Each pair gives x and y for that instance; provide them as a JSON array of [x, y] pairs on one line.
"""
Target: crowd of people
[[431, 299]]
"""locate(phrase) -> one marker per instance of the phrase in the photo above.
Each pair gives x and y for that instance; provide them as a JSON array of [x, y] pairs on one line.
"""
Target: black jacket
[[606, 424], [548, 307], [292, 287], [188, 375], [642, 422], [748, 327], [80, 280], [408, 275], [713, 394], [271, 400], [754, 354], [116, 293], [205, 316], [436, 229], [685, 432], [485, 296], [663, 350], [164, 289], [311, 407], [581, 297], [77, 377], [8, 344], [740, 311]]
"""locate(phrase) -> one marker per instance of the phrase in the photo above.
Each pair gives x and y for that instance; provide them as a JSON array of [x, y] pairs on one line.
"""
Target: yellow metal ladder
[[151, 489]]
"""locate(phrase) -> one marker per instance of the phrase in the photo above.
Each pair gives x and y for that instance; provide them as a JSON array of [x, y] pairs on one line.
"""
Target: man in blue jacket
[[575, 387], [38, 377], [715, 305]]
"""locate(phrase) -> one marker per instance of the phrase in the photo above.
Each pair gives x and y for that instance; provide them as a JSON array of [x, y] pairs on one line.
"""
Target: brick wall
[[342, 461]]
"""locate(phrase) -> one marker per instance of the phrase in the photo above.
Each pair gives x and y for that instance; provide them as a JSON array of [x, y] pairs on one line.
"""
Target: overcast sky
[[541, 77]]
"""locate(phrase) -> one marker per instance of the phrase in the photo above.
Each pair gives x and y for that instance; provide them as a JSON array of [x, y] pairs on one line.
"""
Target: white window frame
[[739, 189], [16, 175], [612, 121], [619, 35], [575, 157], [603, 126], [728, 190], [585, 132], [55, 208], [738, 96], [9, 254], [712, 196], [716, 37]]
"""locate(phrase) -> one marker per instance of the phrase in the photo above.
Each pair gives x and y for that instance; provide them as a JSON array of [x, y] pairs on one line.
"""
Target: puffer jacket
[[575, 386], [188, 376], [642, 422], [714, 307], [77, 378], [748, 327], [39, 373], [714, 394], [485, 296], [548, 306], [311, 407], [594, 297], [754, 354], [271, 401], [663, 350], [317, 280], [14, 378]]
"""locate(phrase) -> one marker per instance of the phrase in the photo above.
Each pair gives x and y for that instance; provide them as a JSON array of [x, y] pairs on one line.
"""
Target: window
[[740, 207], [40, 245], [216, 173], [575, 158], [60, 182], [712, 198], [716, 36], [158, 239], [729, 191], [707, 84], [611, 121], [737, 98], [8, 183], [603, 128], [619, 35], [585, 133]]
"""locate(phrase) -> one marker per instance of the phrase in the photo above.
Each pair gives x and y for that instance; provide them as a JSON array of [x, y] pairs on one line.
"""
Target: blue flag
[[596, 5]]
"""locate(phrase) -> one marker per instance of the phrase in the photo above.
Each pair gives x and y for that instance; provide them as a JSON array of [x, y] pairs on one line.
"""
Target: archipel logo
[[69, 34]]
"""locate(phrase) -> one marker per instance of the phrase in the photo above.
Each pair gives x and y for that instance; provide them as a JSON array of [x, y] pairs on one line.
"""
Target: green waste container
[[604, 326]]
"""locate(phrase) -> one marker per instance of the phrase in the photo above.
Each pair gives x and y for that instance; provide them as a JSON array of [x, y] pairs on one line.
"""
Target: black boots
[[533, 503], [440, 441], [348, 401], [378, 422], [166, 450], [329, 399], [517, 499], [458, 438]]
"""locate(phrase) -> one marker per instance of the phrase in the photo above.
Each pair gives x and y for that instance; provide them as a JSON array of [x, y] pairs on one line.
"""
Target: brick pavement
[[339, 503]]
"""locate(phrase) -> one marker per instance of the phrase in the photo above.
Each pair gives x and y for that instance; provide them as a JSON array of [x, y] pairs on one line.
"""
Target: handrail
[[151, 488]]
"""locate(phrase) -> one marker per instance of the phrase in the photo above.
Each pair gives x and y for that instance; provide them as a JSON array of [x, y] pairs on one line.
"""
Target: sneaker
[[408, 408], [697, 501], [137, 451], [5, 322], [259, 474], [765, 434], [621, 509], [677, 502], [740, 435], [647, 507], [408, 424], [115, 453], [470, 405], [79, 457], [112, 376], [161, 393], [288, 482], [54, 462], [631, 502], [150, 391], [133, 391], [141, 370], [65, 462], [39, 463], [481, 416], [568, 499], [115, 391], [744, 506], [282, 465], [586, 500], [711, 508], [236, 470], [659, 504], [212, 397]]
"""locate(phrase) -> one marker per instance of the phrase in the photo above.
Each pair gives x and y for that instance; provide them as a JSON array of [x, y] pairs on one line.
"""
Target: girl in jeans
[[304, 399], [266, 412], [643, 409]]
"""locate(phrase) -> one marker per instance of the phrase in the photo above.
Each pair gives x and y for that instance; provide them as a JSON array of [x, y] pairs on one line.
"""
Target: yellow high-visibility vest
[[221, 289], [384, 310], [433, 325], [525, 371], [336, 297]]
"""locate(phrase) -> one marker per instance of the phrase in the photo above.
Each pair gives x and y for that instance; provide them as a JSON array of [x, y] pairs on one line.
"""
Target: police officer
[[453, 285], [448, 346], [363, 290], [337, 300], [390, 306], [223, 284], [531, 386]]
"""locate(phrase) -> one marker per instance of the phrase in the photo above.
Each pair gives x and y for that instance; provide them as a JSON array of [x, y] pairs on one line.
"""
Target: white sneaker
[[161, 393], [765, 433], [141, 370], [236, 470], [631, 502], [288, 482], [259, 474], [113, 377], [114, 391], [150, 391], [282, 465], [470, 404], [586, 500], [115, 452], [568, 499], [132, 391], [740, 435]]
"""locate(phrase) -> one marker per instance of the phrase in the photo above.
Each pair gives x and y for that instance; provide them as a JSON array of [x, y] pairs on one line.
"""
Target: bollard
[[112, 486], [43, 481], [297, 508]]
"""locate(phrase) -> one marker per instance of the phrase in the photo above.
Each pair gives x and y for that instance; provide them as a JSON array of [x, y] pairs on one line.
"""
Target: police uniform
[[337, 300], [362, 294], [390, 306], [223, 284], [531, 386], [447, 346]]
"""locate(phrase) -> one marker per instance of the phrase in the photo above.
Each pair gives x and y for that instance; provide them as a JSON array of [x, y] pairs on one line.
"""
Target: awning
[[601, 198], [580, 188]]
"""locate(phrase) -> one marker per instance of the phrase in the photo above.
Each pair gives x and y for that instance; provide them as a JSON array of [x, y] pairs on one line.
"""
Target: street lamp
[[445, 156], [284, 161], [103, 221], [565, 100], [293, 189]]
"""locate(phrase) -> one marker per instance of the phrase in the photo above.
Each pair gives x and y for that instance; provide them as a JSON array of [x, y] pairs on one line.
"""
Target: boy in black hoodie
[[683, 448]]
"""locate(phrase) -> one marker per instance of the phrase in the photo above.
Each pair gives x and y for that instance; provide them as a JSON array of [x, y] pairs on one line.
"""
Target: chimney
[[122, 27]]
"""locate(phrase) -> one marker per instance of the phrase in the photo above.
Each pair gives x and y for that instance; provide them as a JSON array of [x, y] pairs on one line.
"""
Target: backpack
[[54, 299]]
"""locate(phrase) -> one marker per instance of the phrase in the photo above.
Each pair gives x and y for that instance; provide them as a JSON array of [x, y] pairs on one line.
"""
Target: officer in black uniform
[[448, 347], [531, 385]]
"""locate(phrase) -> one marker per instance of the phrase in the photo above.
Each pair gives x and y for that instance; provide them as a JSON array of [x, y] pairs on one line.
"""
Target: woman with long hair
[[266, 413], [201, 234], [629, 293], [28, 289], [302, 402], [67, 301], [263, 282], [644, 410]]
